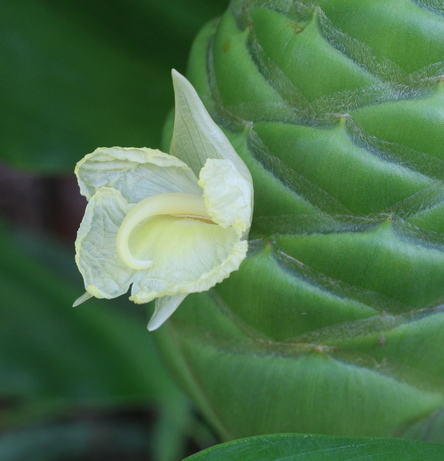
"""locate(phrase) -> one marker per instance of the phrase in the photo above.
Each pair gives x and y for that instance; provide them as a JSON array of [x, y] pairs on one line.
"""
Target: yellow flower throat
[[179, 205]]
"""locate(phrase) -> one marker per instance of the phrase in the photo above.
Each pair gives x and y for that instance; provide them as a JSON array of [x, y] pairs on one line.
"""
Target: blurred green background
[[84, 383]]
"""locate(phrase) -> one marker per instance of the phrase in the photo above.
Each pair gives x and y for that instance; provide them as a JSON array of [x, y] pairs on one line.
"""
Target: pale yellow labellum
[[164, 225], [175, 204]]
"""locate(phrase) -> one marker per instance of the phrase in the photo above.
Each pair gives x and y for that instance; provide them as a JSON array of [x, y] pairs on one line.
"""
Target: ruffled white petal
[[104, 273], [189, 256], [196, 137], [228, 195], [135, 173], [165, 307]]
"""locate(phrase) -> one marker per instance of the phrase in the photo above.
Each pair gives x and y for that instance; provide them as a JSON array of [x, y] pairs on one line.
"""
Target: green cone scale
[[334, 324]]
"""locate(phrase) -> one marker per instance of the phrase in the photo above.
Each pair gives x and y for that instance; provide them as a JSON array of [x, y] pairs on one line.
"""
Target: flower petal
[[189, 256], [104, 274], [228, 195], [165, 307], [196, 137], [136, 173]]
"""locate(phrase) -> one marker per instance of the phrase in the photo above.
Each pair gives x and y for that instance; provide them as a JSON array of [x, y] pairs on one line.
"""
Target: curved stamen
[[176, 204]]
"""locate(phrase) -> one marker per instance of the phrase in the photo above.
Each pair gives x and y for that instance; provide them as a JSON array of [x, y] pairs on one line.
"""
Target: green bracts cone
[[334, 323]]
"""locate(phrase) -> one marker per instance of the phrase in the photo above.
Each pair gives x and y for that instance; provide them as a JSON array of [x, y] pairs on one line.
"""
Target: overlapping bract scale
[[337, 109]]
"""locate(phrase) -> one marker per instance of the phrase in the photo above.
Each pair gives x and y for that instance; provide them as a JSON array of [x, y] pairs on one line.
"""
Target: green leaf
[[78, 75], [90, 437], [54, 358], [290, 447]]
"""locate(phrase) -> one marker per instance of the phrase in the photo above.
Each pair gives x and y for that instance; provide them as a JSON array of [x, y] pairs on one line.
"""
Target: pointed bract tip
[[82, 299], [152, 326], [176, 76], [164, 308]]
